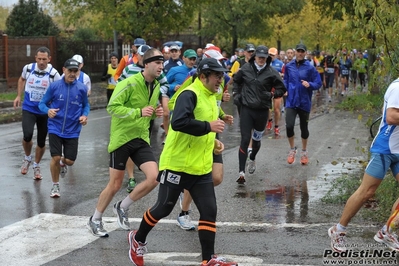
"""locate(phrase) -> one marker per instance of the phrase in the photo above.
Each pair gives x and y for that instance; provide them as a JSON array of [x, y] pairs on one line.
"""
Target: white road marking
[[30, 238]]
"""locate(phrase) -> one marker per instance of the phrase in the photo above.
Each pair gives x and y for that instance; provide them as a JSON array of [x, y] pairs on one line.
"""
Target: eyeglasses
[[250, 51]]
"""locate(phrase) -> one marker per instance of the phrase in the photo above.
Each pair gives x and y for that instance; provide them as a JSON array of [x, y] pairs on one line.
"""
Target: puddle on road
[[290, 203]]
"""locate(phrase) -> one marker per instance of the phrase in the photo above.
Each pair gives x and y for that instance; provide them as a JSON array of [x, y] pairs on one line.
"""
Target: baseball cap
[[211, 64], [190, 53], [209, 45], [249, 47], [262, 51], [166, 49], [78, 58], [113, 54], [174, 47], [214, 47], [273, 51], [300, 46], [214, 54], [139, 41], [71, 64], [142, 49]]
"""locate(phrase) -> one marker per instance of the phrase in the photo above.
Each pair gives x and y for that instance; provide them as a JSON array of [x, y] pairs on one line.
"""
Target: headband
[[154, 58]]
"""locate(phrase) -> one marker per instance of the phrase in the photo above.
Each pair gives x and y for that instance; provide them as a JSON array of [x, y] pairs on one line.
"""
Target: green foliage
[[85, 34], [3, 16], [342, 188], [27, 19], [364, 102], [335, 9], [8, 96], [66, 48], [243, 19]]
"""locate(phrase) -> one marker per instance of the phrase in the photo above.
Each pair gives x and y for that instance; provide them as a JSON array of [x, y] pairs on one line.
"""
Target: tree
[[3, 15], [150, 19], [28, 19], [243, 19]]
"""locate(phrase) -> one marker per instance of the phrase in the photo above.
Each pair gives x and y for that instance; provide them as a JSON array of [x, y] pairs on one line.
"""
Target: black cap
[[211, 64], [300, 46], [262, 51], [71, 64], [249, 47], [113, 54]]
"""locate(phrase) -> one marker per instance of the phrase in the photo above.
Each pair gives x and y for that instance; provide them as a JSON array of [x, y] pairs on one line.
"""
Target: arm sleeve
[[116, 106], [119, 70], [85, 105], [105, 75], [46, 99], [183, 119]]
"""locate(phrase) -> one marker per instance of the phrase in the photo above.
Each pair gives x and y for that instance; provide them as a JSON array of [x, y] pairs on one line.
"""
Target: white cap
[[142, 49], [208, 45], [214, 54], [78, 58]]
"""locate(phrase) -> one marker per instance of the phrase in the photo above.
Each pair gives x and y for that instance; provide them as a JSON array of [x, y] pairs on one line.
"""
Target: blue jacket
[[72, 102], [298, 95], [176, 76]]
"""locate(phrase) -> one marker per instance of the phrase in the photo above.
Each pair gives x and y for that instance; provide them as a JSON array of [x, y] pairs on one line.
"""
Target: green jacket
[[129, 97], [361, 65], [188, 153]]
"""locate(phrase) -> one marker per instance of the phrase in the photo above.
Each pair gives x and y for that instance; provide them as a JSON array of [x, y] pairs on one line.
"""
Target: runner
[[34, 82], [193, 127]]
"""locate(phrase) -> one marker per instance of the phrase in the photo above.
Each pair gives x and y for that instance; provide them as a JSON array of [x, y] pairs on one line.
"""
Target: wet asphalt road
[[276, 218]]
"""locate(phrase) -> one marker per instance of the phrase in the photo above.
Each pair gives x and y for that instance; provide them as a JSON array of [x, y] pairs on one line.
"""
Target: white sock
[[35, 164], [97, 215], [28, 158], [341, 228]]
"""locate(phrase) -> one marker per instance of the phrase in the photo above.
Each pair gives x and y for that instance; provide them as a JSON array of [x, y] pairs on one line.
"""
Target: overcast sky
[[8, 3]]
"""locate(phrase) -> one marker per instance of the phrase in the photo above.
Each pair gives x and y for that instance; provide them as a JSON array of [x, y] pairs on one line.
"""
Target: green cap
[[190, 53]]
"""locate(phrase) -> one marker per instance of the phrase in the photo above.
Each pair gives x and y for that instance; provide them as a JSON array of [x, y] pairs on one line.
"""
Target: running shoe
[[269, 124], [337, 239], [55, 191], [251, 166], [391, 240], [63, 169], [329, 99], [136, 250], [25, 167], [241, 178], [291, 156], [121, 216], [219, 261], [130, 185], [276, 131], [96, 228], [185, 223], [304, 158], [36, 173]]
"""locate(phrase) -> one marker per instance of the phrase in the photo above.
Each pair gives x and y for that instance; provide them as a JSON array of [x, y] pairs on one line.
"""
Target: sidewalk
[[97, 99]]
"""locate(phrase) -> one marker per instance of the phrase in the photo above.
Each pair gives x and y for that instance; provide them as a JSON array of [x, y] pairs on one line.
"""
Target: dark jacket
[[256, 89]]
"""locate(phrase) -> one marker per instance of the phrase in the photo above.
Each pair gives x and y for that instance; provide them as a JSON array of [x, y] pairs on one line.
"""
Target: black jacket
[[256, 89]]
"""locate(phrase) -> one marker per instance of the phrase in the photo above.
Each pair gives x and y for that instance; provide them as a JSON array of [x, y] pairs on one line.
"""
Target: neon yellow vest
[[187, 153], [111, 81]]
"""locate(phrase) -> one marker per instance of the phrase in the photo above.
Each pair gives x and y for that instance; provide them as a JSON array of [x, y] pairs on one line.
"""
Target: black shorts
[[62, 146], [137, 149], [180, 180]]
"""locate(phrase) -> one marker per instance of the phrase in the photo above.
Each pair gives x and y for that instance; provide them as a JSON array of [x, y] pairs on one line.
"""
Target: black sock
[[183, 213]]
